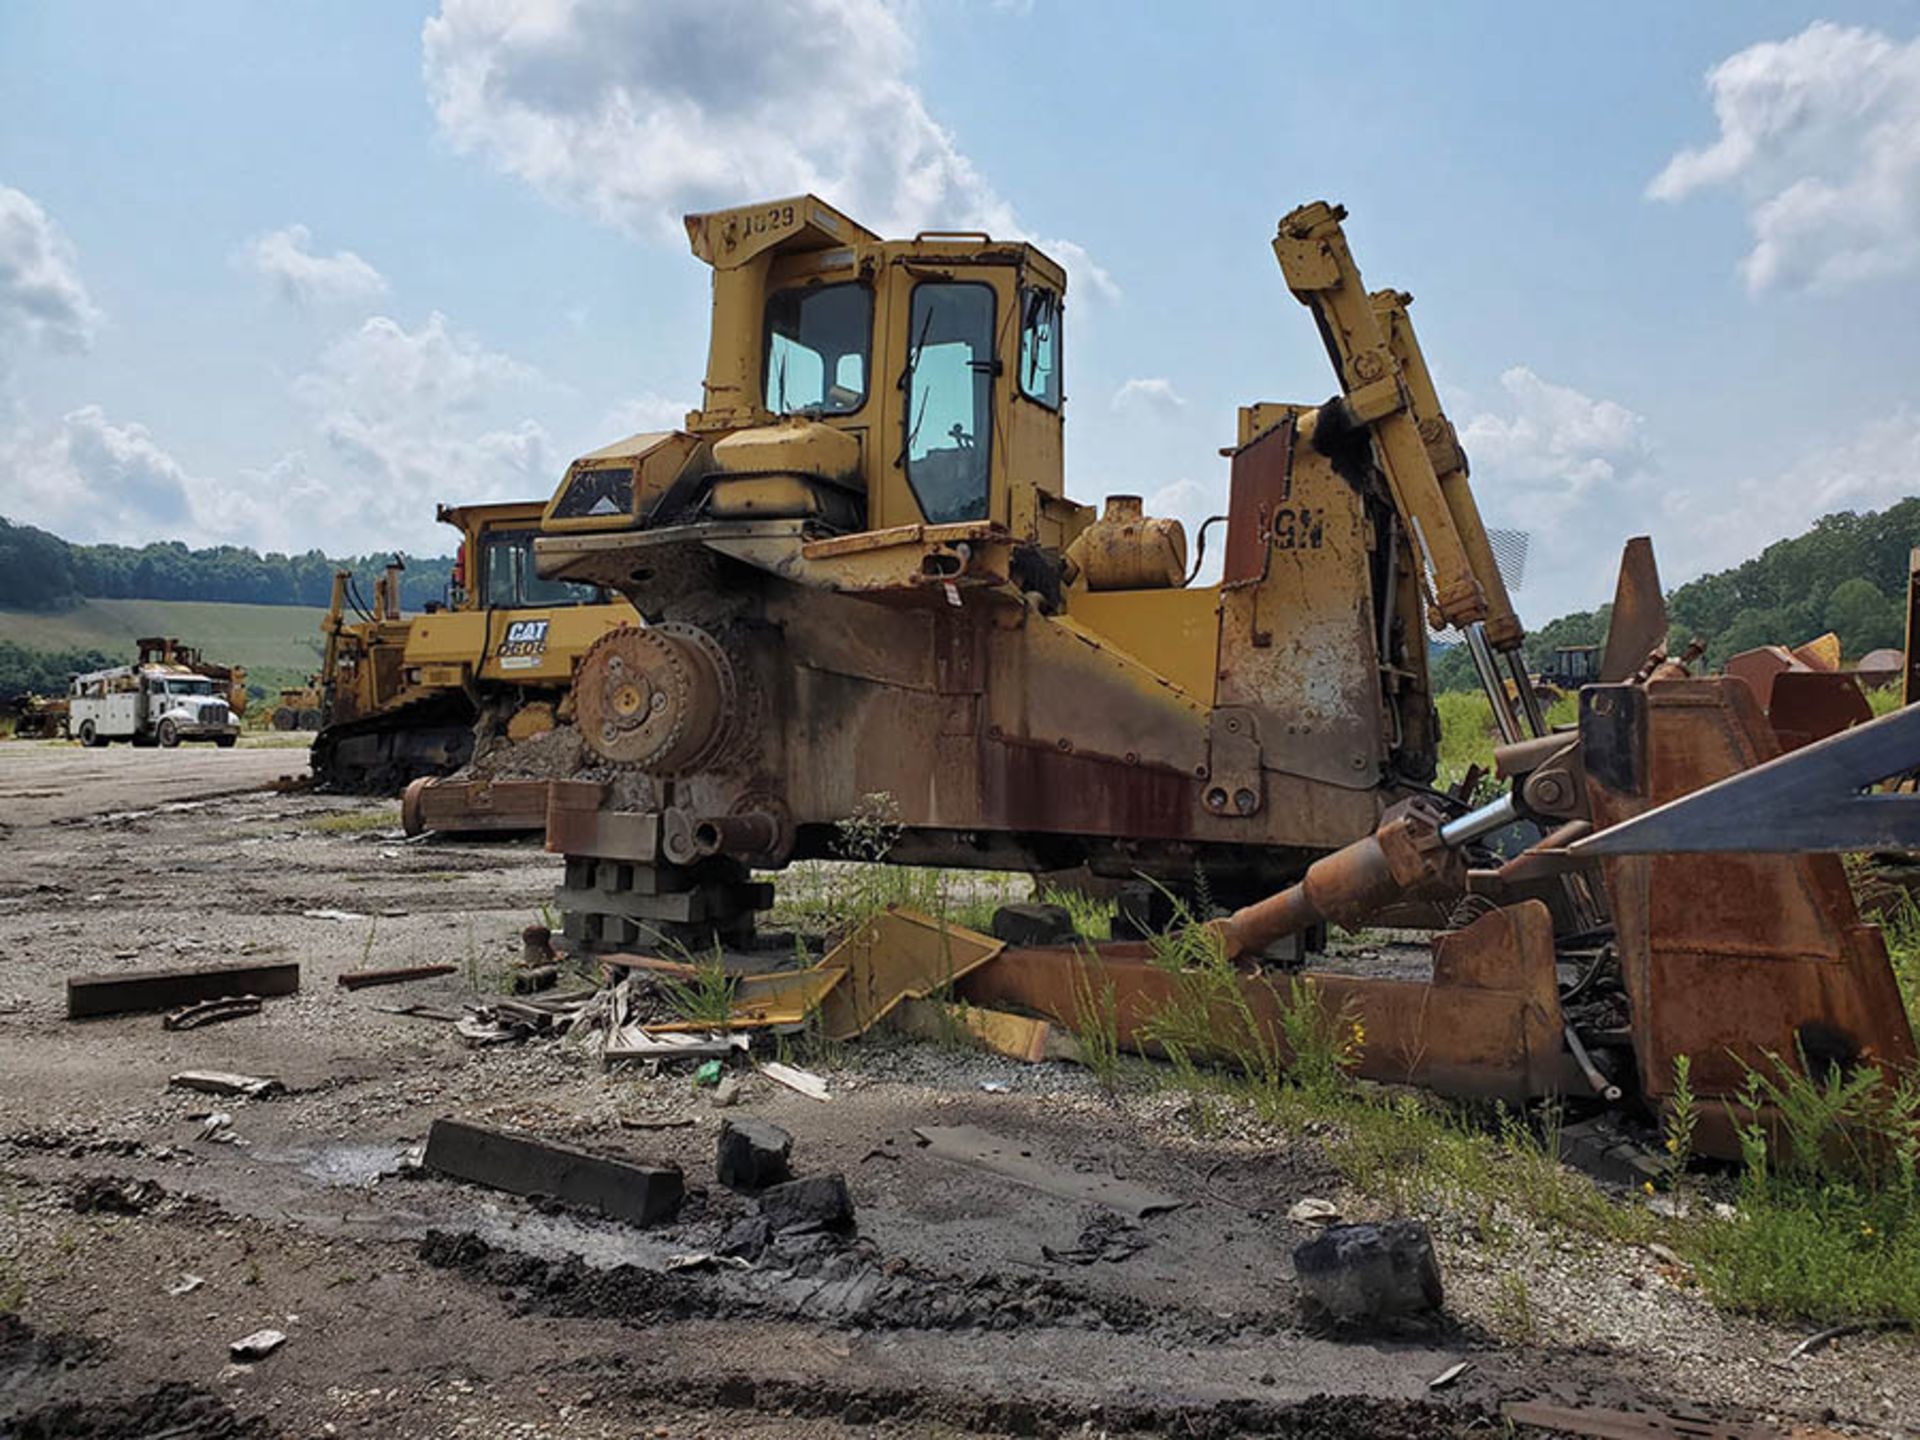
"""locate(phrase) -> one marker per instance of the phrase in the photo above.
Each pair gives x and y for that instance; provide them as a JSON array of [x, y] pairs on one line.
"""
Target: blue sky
[[288, 275]]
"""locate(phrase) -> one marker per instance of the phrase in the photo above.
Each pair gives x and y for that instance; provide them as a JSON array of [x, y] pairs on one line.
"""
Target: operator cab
[[493, 566], [854, 383]]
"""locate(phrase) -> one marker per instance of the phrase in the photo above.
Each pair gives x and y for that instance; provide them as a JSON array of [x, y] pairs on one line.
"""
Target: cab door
[[943, 426]]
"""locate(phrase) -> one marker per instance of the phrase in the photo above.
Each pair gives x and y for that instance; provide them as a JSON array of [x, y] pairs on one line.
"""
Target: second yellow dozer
[[406, 697], [859, 576]]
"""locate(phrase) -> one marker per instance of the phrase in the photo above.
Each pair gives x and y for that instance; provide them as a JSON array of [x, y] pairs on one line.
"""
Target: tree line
[[41, 571], [44, 672], [1847, 574]]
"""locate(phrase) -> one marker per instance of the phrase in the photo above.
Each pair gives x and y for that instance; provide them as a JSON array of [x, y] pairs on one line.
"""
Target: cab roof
[[804, 224]]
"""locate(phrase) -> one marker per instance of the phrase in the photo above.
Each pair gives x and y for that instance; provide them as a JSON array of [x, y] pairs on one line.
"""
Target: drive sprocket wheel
[[660, 698]]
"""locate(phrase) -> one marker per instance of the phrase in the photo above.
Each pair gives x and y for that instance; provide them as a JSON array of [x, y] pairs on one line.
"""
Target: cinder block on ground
[[1033, 924]]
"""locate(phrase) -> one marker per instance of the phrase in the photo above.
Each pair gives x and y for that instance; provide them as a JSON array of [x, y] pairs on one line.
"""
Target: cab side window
[[1040, 346], [949, 412]]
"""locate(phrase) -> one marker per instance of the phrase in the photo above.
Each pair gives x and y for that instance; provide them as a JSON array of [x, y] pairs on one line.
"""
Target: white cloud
[[1155, 394], [637, 111], [411, 417], [399, 419], [1569, 470], [1191, 502], [42, 298], [1876, 466], [643, 415], [1553, 438], [307, 279], [1820, 137], [91, 480]]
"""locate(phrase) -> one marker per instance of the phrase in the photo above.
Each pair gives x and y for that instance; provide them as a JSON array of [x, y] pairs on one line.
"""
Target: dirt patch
[[174, 1409], [114, 1195], [820, 1277], [1321, 1417], [25, 1352], [968, 1303]]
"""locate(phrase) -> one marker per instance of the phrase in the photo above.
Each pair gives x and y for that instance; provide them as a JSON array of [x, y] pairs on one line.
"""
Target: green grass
[[279, 644], [1092, 917], [353, 822], [1827, 1226], [836, 895], [1900, 926], [1097, 1036], [1467, 736], [705, 997], [815, 895]]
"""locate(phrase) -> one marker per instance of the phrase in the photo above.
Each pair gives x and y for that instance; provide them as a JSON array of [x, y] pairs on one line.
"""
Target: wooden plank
[[360, 979], [129, 991], [523, 1165]]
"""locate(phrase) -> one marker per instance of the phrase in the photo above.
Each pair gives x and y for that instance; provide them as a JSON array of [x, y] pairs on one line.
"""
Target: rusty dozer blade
[[1738, 961], [1637, 625], [1486, 1026], [1810, 799]]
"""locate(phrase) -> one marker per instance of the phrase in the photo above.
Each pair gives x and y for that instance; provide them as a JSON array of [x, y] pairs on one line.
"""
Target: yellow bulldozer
[[402, 697], [857, 574], [860, 575]]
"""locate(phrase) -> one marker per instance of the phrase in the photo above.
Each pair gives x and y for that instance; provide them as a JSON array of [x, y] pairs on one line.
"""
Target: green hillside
[[1847, 574], [279, 644]]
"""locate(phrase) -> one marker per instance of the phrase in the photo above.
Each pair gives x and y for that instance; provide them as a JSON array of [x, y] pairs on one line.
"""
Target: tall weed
[[1827, 1227]]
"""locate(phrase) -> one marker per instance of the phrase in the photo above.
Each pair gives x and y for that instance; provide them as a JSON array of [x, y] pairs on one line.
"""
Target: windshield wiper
[[913, 360]]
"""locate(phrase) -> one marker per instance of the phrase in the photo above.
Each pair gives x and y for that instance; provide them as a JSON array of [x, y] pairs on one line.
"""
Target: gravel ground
[[310, 1220]]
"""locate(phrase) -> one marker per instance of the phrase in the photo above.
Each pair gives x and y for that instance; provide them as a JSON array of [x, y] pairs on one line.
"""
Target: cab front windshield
[[190, 687], [817, 343], [511, 582]]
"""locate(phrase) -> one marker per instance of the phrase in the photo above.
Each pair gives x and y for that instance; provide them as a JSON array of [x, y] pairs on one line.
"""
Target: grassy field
[[279, 644]]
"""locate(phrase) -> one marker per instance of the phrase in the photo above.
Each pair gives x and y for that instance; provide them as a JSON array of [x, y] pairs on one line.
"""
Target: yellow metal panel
[[1174, 633], [1019, 1037], [787, 997], [527, 647], [899, 953]]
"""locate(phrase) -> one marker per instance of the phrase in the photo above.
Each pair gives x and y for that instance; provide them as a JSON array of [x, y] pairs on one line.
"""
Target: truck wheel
[[225, 742], [89, 737], [169, 734], [286, 719]]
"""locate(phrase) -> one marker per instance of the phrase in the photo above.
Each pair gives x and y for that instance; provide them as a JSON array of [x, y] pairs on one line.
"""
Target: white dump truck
[[150, 705]]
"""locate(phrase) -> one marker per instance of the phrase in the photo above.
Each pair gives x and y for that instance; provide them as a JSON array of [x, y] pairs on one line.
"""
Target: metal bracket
[[1235, 784]]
